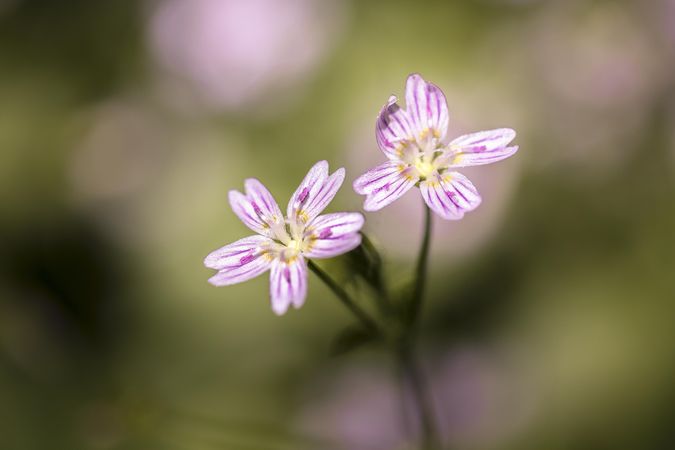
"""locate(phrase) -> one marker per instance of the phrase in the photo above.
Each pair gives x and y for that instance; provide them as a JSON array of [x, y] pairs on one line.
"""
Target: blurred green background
[[123, 125]]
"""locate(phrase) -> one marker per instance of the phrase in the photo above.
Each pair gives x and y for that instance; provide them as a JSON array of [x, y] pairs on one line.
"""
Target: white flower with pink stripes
[[414, 141], [282, 244]]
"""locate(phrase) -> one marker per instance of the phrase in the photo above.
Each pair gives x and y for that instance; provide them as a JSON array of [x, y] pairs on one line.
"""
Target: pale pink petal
[[315, 192], [427, 108], [450, 195], [484, 147], [387, 193], [379, 176], [384, 184], [334, 234], [257, 209], [240, 261], [392, 129], [288, 284], [262, 198]]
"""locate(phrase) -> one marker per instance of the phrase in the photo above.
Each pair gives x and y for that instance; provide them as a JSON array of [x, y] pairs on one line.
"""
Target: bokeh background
[[124, 123]]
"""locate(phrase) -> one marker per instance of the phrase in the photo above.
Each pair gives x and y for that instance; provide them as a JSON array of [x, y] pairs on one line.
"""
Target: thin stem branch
[[382, 298], [344, 297], [406, 346], [421, 270], [412, 374]]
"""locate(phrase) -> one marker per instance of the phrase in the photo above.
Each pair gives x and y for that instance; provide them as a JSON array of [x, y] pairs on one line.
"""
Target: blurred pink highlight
[[235, 52], [599, 58], [478, 401]]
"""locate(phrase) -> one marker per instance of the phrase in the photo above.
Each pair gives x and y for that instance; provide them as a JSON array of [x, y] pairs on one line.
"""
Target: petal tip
[[214, 281], [371, 207], [414, 76]]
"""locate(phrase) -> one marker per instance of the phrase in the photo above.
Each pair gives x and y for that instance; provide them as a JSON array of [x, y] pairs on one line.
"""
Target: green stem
[[382, 298], [412, 374], [406, 347], [421, 270], [344, 297]]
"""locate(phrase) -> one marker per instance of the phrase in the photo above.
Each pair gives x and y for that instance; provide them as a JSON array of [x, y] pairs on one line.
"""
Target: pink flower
[[283, 243], [414, 141], [238, 54]]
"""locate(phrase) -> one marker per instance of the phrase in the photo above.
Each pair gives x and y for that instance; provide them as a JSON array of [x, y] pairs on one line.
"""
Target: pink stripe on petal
[[437, 109], [480, 148], [427, 107], [288, 284], [392, 128], [438, 201], [334, 234], [450, 195], [314, 205], [231, 254], [329, 248], [309, 186], [257, 209], [378, 176], [416, 101], [315, 192], [263, 200], [391, 189], [239, 261], [249, 214]]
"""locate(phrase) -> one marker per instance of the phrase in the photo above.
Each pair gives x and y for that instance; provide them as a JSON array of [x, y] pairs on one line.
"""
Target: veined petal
[[379, 176], [393, 129], [427, 108], [288, 284], [484, 147], [450, 195], [257, 209], [240, 261], [315, 192], [262, 198], [384, 184], [333, 234]]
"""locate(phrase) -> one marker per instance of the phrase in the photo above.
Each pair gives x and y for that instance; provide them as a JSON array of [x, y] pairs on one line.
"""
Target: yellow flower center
[[295, 245], [424, 168]]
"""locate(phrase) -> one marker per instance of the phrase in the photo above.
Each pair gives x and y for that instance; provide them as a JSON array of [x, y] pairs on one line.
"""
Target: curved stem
[[344, 297], [421, 270]]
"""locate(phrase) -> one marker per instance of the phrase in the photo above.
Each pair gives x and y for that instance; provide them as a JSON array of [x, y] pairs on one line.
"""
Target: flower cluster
[[418, 154]]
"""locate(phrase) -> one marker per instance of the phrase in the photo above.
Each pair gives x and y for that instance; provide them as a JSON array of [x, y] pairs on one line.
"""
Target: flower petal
[[484, 147], [392, 129], [450, 195], [240, 261], [288, 284], [334, 234], [427, 108], [257, 209], [315, 192], [384, 184]]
